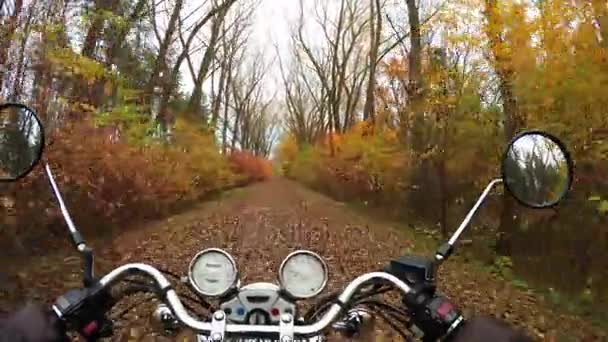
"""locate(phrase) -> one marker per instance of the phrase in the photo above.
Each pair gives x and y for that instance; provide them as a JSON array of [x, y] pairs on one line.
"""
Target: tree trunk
[[512, 119], [369, 108], [160, 76], [443, 196], [601, 15], [171, 78], [194, 106], [119, 35], [415, 91], [161, 60], [226, 102], [165, 117], [217, 100], [87, 93], [225, 125], [19, 74], [6, 34], [235, 129], [442, 125], [513, 122], [94, 31]]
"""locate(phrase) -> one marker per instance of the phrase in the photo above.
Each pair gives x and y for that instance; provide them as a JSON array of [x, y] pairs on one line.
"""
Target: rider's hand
[[31, 324], [484, 329]]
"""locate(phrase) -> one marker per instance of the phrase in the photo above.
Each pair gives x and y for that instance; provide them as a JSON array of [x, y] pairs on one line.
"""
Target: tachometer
[[213, 272], [303, 274]]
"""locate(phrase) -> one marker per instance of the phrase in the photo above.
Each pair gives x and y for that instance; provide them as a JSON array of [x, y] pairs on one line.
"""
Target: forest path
[[261, 224]]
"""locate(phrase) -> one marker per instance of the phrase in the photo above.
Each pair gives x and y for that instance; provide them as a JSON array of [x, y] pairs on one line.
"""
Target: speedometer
[[303, 274], [213, 272]]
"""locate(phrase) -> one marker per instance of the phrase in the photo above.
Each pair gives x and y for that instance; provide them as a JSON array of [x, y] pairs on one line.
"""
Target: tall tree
[[334, 67], [375, 33], [503, 65], [8, 26], [170, 80], [416, 85]]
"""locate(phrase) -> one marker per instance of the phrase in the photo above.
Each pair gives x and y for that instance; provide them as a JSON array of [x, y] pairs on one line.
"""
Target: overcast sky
[[271, 25]]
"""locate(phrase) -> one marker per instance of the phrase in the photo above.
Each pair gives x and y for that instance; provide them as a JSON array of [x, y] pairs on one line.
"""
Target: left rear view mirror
[[21, 141]]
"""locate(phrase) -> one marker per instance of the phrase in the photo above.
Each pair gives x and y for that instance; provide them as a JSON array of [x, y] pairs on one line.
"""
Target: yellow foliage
[[71, 63], [200, 157], [287, 149], [360, 156], [362, 128]]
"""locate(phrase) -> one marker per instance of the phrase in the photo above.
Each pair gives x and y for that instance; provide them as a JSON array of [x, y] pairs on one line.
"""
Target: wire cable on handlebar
[[327, 300], [136, 286], [382, 307], [392, 324], [374, 291], [310, 316], [169, 273], [130, 307], [321, 305], [387, 312], [395, 312], [200, 301]]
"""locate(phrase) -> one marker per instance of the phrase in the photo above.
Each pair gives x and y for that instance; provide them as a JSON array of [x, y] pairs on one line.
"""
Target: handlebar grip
[[84, 311], [435, 315]]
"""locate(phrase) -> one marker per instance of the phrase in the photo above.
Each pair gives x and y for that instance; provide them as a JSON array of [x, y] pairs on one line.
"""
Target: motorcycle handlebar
[[218, 328]]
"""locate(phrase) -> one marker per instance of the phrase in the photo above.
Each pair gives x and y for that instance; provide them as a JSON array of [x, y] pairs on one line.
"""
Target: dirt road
[[260, 224]]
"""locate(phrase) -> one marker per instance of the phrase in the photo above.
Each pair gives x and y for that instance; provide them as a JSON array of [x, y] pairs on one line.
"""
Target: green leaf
[[520, 284], [594, 198], [603, 207]]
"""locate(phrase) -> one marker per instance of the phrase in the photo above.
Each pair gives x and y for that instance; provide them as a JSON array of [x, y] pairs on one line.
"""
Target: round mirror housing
[[537, 169], [21, 141]]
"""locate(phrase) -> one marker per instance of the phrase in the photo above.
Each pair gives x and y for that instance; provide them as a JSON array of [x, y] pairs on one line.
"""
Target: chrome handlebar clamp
[[286, 328], [218, 326]]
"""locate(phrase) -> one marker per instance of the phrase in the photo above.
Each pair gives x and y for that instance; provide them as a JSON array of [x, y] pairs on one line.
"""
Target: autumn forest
[[399, 108]]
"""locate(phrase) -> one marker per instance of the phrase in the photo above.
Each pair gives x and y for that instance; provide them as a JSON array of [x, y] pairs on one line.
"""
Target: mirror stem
[[446, 249], [81, 246]]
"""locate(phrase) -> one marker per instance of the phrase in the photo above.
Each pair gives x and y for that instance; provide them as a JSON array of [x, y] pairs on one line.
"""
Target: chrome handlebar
[[218, 327]]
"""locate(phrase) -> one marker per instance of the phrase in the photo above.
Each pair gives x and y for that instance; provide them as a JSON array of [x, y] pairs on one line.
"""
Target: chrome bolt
[[216, 337], [219, 315], [286, 318]]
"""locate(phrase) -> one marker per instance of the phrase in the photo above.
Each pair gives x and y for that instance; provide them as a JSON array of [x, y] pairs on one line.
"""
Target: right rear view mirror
[[537, 169]]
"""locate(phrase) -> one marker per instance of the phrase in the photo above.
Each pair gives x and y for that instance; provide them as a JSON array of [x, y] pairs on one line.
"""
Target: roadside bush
[[287, 152], [108, 182], [365, 166], [250, 167]]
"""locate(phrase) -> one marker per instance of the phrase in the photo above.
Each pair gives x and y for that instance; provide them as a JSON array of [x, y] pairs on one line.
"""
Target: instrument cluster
[[213, 273]]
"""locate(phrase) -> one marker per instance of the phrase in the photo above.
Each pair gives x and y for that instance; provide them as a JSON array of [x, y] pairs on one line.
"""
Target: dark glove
[[484, 329], [31, 324]]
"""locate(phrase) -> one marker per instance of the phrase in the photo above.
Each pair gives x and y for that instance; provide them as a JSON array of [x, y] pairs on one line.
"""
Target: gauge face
[[303, 274], [213, 272]]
